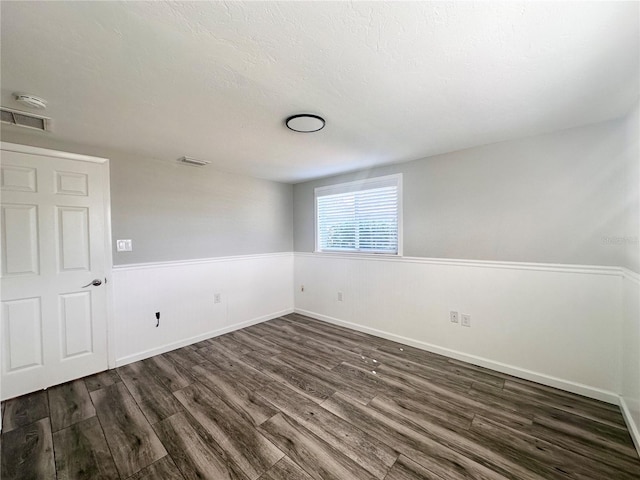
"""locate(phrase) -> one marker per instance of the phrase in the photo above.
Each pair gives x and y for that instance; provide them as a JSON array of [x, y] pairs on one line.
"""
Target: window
[[363, 217]]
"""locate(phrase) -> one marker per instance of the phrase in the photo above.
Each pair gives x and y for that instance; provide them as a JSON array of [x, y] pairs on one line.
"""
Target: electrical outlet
[[217, 298], [124, 246], [339, 296], [466, 320], [453, 316]]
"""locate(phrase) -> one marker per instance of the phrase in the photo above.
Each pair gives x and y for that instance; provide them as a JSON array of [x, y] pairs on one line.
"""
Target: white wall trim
[[198, 261], [580, 389], [546, 267], [632, 427], [111, 336], [46, 152], [198, 338], [631, 275], [634, 283]]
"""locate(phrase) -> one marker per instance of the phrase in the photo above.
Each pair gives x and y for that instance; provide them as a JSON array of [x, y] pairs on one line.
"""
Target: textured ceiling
[[394, 81]]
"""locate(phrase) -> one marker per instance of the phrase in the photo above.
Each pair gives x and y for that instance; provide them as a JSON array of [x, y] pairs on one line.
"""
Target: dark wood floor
[[295, 398]]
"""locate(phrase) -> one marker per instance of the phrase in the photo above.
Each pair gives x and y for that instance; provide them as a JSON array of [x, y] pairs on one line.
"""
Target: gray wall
[[176, 212], [557, 198], [567, 197]]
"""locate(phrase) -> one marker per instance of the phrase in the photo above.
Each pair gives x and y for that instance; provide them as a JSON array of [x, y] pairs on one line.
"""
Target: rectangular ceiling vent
[[193, 162], [25, 119]]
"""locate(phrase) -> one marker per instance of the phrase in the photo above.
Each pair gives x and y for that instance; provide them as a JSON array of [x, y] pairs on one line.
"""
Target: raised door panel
[[76, 324], [19, 240], [72, 183], [73, 238], [22, 334], [18, 179]]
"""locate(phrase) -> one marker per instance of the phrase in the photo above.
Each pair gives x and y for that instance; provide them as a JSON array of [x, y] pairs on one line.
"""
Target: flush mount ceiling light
[[30, 100], [305, 123]]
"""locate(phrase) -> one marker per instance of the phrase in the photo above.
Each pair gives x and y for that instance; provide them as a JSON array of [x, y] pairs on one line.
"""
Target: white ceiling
[[394, 81]]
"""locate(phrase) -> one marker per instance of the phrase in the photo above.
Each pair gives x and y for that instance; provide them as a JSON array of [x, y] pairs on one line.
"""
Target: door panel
[[73, 238], [53, 244], [76, 324], [23, 334], [19, 179], [68, 183], [20, 240]]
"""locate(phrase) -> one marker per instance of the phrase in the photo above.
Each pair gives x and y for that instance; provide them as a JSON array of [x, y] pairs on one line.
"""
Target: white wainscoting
[[559, 325], [572, 327], [630, 391], [253, 288]]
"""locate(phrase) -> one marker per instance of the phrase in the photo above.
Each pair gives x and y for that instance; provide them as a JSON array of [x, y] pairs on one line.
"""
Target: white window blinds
[[359, 216]]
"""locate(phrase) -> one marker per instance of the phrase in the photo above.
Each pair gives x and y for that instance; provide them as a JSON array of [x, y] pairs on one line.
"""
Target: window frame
[[354, 186]]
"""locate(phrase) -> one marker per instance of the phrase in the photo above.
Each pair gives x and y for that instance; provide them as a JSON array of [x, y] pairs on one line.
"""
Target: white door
[[54, 321]]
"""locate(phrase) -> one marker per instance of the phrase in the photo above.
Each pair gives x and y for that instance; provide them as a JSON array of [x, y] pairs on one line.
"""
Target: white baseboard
[[631, 425], [198, 338], [573, 387]]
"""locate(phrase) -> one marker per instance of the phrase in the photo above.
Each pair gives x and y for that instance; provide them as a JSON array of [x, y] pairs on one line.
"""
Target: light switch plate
[[123, 246]]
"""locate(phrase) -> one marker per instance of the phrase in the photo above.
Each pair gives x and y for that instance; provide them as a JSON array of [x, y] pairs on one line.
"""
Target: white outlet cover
[[124, 245], [453, 316], [466, 320]]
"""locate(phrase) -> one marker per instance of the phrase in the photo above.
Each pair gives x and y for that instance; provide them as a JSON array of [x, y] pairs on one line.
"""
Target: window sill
[[358, 254]]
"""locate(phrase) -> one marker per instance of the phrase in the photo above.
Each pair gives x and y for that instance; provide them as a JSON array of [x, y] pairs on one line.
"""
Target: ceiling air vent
[[193, 162], [25, 119]]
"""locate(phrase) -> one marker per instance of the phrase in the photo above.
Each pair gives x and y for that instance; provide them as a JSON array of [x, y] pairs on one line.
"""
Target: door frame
[[108, 253]]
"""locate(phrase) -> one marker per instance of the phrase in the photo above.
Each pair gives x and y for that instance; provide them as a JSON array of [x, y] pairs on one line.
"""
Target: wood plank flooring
[[299, 399]]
